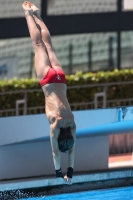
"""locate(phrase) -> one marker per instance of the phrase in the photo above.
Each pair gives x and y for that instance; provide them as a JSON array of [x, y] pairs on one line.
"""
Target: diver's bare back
[[57, 108]]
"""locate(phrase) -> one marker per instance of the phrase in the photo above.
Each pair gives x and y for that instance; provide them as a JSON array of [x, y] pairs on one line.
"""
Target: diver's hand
[[68, 180]]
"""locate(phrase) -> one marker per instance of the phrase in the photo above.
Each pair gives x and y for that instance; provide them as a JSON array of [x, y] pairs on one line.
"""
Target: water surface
[[125, 193]]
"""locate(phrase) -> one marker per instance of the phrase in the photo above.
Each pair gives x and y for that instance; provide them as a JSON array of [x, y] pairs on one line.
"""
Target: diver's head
[[65, 140]]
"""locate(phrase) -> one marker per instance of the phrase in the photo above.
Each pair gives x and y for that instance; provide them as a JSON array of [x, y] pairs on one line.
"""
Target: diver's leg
[[46, 37], [42, 63]]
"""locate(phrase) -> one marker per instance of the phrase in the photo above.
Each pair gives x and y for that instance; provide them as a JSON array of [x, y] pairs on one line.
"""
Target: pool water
[[111, 194]]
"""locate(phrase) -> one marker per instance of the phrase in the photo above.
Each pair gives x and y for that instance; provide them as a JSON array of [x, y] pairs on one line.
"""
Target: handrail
[[20, 91], [100, 84], [107, 129]]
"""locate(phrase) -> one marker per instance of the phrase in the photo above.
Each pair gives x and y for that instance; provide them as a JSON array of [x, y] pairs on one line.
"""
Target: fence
[[74, 106]]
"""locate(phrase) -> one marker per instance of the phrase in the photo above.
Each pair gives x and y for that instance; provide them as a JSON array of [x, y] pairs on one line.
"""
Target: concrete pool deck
[[119, 174]]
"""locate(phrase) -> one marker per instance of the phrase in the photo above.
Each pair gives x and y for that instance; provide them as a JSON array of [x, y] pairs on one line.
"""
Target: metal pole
[[105, 96], [25, 104], [119, 50], [70, 58], [111, 62], [44, 5], [90, 55], [119, 9]]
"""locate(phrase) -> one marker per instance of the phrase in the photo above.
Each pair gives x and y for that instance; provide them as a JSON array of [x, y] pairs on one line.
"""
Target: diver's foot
[[27, 8], [35, 9]]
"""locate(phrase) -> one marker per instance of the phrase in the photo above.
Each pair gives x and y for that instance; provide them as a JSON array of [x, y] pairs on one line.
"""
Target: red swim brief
[[54, 75]]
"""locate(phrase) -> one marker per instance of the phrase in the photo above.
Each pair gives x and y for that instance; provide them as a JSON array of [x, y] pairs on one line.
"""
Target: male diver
[[52, 80]]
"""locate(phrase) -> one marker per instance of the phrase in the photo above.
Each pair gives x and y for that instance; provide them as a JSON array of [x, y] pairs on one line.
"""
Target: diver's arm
[[69, 174], [54, 134]]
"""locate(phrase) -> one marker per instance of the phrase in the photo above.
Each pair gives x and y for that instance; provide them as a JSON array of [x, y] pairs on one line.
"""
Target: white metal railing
[[81, 105]]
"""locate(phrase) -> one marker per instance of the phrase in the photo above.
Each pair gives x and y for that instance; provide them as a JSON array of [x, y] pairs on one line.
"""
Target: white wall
[[35, 158]]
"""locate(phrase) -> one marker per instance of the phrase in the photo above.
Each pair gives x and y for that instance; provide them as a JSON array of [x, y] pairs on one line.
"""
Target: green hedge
[[74, 95]]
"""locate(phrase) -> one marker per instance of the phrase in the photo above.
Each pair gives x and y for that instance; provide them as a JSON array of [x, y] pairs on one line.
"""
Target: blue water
[[111, 194]]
